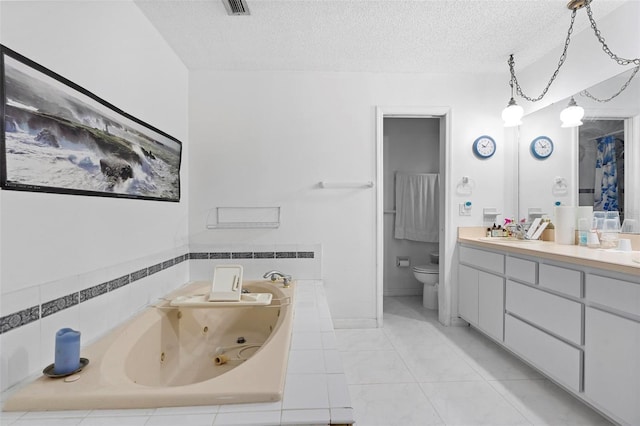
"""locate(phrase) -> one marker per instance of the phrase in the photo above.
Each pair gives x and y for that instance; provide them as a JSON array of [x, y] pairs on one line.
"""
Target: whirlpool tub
[[178, 356]]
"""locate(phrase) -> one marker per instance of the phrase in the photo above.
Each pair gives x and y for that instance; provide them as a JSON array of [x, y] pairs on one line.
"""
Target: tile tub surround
[[34, 313], [315, 387], [27, 315], [301, 261], [97, 301]]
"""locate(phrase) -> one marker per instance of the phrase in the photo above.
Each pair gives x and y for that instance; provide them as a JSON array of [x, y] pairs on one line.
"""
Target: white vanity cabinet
[[481, 293], [579, 325], [612, 347]]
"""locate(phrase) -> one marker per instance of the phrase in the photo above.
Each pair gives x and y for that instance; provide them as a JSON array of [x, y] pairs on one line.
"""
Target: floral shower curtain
[[606, 184]]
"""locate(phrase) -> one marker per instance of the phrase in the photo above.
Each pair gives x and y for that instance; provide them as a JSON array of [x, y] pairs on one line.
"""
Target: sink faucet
[[274, 275]]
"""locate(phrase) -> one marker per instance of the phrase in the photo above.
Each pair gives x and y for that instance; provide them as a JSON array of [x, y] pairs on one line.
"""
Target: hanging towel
[[605, 195], [417, 207]]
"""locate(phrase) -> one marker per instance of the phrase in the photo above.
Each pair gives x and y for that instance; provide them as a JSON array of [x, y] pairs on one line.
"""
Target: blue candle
[[67, 358]]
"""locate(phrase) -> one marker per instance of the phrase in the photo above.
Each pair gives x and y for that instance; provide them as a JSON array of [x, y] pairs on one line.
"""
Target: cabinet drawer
[[556, 314], [523, 270], [617, 294], [554, 357], [482, 259], [562, 280]]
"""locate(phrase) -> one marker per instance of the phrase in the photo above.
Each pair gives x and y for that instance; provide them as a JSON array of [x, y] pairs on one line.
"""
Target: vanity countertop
[[610, 260]]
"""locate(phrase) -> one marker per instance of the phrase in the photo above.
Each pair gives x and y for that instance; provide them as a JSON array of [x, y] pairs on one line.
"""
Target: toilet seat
[[426, 269]]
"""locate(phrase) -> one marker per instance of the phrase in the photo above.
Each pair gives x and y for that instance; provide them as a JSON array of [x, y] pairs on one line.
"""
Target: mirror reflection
[[601, 165], [596, 164]]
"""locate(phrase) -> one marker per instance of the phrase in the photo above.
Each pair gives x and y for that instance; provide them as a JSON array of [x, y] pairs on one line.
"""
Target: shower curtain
[[605, 196], [417, 206]]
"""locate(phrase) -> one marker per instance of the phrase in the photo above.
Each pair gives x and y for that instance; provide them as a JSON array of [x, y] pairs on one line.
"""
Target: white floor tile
[[439, 364], [342, 416], [56, 414], [373, 339], [306, 417], [306, 340], [375, 367], [115, 421], [122, 412], [196, 409], [306, 362], [392, 404], [258, 418], [48, 422], [471, 403], [7, 418], [333, 362], [255, 406], [305, 391], [544, 403], [182, 420], [338, 390]]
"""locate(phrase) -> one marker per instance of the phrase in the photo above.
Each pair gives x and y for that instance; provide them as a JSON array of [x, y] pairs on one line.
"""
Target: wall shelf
[[243, 218]]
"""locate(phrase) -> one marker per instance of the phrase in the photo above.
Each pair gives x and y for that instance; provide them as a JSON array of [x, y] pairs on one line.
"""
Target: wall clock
[[484, 146], [542, 147]]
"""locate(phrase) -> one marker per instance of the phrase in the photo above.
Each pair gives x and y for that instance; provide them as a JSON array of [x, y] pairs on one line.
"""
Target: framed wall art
[[58, 137]]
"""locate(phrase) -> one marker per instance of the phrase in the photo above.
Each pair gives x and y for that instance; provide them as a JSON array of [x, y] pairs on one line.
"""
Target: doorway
[[439, 119]]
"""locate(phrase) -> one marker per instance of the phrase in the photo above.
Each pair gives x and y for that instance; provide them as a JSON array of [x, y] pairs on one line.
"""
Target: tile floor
[[416, 372]]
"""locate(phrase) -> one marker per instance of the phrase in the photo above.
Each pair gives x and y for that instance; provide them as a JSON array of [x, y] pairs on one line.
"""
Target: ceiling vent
[[236, 7]]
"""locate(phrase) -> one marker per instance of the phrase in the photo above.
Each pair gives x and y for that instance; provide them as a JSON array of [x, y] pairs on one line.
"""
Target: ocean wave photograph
[[57, 137]]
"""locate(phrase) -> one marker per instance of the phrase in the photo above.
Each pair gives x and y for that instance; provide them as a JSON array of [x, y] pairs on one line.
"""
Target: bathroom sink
[[506, 240]]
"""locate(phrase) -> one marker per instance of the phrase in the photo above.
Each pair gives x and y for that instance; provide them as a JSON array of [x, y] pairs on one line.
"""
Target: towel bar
[[346, 185]]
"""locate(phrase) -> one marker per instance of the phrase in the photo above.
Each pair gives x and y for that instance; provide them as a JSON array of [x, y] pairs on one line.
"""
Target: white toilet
[[428, 275]]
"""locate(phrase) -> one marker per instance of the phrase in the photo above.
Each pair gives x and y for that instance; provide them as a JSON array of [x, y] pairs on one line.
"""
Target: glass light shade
[[512, 114], [572, 115]]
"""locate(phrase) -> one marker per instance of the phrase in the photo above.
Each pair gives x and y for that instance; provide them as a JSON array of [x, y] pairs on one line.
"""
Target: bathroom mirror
[[610, 136]]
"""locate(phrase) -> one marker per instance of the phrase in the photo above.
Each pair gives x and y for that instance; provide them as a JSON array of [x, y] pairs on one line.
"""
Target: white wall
[[268, 138], [410, 145], [55, 245]]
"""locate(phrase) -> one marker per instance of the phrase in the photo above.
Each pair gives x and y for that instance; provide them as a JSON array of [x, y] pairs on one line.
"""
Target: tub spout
[[274, 275]]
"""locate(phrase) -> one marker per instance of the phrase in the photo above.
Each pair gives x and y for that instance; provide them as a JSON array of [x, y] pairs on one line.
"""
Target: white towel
[[417, 208]]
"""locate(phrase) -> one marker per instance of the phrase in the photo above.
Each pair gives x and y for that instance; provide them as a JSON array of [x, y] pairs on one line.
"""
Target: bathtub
[[168, 356]]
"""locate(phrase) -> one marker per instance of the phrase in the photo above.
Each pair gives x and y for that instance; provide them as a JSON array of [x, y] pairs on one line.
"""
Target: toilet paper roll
[[565, 224], [403, 263]]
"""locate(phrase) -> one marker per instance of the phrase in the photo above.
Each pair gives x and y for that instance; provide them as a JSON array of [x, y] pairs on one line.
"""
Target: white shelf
[[243, 218]]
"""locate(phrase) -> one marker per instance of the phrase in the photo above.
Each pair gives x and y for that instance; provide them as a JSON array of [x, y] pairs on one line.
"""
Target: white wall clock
[[484, 146], [542, 147]]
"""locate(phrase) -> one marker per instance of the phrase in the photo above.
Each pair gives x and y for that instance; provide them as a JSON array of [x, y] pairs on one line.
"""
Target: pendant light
[[512, 114], [572, 115]]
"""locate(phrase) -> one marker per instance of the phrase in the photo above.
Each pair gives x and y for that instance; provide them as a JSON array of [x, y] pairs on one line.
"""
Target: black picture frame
[[58, 137]]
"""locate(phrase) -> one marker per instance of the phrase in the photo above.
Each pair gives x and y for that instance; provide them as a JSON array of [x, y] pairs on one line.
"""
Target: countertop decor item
[[484, 146], [67, 353], [50, 372]]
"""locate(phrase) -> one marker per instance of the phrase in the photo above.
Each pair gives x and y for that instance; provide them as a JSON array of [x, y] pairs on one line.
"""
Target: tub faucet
[[274, 275]]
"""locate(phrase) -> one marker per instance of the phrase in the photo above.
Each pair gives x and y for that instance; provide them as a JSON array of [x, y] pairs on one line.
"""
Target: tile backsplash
[[96, 302]]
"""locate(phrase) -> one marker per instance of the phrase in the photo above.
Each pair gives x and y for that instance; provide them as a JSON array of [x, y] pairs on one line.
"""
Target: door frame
[[445, 237]]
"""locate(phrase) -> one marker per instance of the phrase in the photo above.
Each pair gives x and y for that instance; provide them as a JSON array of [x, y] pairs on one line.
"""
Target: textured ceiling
[[366, 35]]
